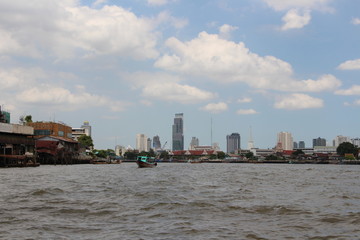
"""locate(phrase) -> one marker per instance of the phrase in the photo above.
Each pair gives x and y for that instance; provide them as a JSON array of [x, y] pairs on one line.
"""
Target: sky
[[128, 66]]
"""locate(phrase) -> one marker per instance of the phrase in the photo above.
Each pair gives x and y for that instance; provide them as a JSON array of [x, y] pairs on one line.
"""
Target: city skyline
[[128, 66]]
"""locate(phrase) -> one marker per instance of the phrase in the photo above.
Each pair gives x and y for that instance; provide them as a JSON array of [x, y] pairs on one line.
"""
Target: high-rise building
[[340, 139], [295, 145], [233, 143], [156, 142], [178, 132], [251, 141], [301, 144], [285, 141], [356, 142], [141, 142], [319, 142]]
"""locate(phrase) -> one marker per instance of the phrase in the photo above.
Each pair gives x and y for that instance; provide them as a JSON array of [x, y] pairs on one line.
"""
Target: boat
[[145, 162]]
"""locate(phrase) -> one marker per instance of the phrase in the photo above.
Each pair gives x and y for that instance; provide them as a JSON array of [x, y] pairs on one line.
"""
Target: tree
[[28, 119], [86, 141], [249, 155], [221, 155], [345, 148]]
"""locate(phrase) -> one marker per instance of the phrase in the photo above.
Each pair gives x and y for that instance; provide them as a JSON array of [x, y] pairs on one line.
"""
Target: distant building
[[340, 139], [319, 142], [233, 143], [148, 145], [141, 142], [86, 126], [178, 132], [285, 141], [194, 143], [4, 116], [356, 142], [301, 144], [295, 145], [156, 143]]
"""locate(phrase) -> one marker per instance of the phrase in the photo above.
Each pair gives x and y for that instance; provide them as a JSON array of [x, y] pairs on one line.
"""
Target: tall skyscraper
[[319, 142], [156, 142], [178, 132], [285, 140], [233, 143]]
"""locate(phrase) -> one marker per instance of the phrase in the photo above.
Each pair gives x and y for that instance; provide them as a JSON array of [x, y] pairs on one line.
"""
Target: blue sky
[[128, 66]]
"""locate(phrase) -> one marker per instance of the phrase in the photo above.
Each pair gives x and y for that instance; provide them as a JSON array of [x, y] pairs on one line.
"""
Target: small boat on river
[[146, 162]]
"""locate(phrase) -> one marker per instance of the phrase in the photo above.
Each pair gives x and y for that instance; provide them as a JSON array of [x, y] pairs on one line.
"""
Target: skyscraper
[[233, 143], [285, 140], [319, 142], [156, 142], [178, 132]]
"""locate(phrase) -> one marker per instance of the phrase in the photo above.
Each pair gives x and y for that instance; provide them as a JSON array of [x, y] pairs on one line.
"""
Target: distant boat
[[145, 162]]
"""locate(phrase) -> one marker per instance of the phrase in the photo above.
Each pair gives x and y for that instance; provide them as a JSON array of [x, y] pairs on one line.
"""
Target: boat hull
[[143, 164]]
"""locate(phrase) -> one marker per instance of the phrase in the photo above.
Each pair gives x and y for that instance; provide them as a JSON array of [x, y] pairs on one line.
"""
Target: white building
[[142, 142], [285, 140], [340, 139]]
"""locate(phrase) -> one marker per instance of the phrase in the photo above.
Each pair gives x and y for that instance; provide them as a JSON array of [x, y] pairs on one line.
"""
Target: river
[[181, 201]]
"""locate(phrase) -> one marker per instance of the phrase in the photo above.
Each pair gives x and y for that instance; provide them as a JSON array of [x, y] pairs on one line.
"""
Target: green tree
[[28, 119], [86, 141], [221, 155], [131, 155], [347, 147], [249, 155]]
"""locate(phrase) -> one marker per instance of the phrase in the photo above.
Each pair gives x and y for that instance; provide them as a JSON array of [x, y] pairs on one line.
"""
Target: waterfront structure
[[178, 132], [54, 129], [141, 142], [285, 141], [194, 143], [321, 142], [233, 143], [156, 143], [17, 147]]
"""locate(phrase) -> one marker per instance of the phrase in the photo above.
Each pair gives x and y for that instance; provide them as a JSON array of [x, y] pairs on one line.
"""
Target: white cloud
[[282, 5], [350, 65], [244, 100], [64, 99], [215, 107], [157, 2], [225, 31], [162, 86], [354, 90], [65, 29], [246, 111], [227, 62], [298, 11], [165, 17], [355, 21], [294, 20], [298, 101]]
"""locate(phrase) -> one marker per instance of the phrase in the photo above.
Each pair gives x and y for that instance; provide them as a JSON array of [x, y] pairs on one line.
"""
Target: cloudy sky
[[128, 66]]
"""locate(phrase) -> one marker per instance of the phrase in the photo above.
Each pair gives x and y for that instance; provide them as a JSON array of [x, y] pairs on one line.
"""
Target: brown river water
[[181, 201]]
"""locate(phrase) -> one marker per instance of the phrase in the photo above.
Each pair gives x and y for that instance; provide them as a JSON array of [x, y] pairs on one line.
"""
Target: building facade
[[285, 141], [319, 142], [233, 143], [178, 132], [42, 129], [194, 143]]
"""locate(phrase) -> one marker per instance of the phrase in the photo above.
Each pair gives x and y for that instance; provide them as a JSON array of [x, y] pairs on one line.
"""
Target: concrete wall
[[15, 128]]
